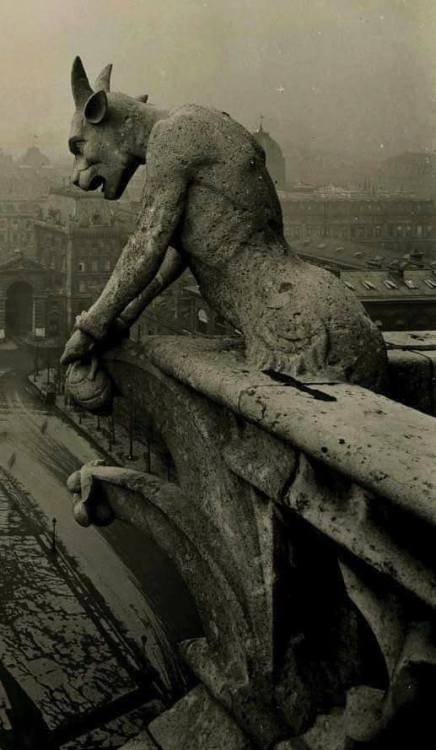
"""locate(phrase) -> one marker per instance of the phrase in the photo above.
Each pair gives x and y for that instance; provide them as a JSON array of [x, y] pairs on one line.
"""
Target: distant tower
[[275, 160]]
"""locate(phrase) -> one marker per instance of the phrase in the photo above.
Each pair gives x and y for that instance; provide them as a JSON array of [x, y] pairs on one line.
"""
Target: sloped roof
[[372, 285], [20, 262]]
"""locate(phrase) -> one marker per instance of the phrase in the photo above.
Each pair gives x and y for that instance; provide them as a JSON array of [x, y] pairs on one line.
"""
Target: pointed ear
[[143, 98], [79, 83], [103, 82], [96, 108]]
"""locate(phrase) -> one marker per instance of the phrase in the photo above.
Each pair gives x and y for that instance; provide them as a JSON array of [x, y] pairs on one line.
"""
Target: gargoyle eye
[[76, 146]]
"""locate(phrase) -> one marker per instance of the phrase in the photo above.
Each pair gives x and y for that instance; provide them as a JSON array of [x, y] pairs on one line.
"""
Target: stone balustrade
[[302, 520]]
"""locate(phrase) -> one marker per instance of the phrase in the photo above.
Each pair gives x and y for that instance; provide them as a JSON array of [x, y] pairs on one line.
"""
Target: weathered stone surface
[[89, 386], [412, 368], [412, 340], [198, 722], [430, 356], [209, 194], [302, 522], [353, 518], [303, 507], [260, 459], [142, 742], [384, 446], [219, 532], [411, 379], [328, 733]]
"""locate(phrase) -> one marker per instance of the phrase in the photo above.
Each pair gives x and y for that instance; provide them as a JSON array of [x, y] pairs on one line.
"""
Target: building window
[[94, 266], [82, 266]]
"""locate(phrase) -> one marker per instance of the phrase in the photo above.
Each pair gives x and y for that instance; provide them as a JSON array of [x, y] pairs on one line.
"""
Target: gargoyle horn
[[103, 82], [80, 84], [143, 98]]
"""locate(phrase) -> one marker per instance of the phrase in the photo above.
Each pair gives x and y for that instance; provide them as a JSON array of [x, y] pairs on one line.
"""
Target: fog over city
[[217, 374], [347, 76]]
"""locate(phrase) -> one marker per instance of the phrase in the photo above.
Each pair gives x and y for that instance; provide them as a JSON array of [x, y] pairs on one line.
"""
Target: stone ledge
[[141, 742], [412, 362], [411, 340], [356, 468], [380, 444], [196, 722]]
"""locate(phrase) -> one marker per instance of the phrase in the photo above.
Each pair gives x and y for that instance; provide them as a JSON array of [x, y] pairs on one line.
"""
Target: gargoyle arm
[[172, 267], [144, 252]]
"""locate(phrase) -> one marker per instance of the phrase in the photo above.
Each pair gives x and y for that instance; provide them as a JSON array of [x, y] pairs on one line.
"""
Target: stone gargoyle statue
[[209, 204]]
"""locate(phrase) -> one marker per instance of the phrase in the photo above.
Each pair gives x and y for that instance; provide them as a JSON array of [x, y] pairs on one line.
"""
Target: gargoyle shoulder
[[179, 142]]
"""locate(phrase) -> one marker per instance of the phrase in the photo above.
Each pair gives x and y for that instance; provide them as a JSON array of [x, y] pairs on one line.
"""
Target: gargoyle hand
[[78, 346]]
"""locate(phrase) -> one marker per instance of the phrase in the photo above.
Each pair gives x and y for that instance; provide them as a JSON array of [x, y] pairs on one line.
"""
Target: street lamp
[[53, 536], [130, 456], [109, 435], [148, 455], [36, 360]]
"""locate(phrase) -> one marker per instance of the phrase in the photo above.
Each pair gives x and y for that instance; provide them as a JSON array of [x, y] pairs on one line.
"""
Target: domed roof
[[267, 141], [34, 158], [275, 160]]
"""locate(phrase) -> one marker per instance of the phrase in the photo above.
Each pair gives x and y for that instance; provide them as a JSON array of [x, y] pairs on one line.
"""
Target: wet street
[[57, 641], [68, 625]]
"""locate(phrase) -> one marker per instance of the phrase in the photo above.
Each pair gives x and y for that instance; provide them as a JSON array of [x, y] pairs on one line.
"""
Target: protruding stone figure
[[210, 204]]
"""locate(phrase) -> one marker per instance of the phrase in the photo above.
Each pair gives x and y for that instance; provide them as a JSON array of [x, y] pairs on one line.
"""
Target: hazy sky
[[357, 76]]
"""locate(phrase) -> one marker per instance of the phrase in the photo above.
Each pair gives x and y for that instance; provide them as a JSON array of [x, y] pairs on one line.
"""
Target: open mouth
[[97, 182], [126, 177]]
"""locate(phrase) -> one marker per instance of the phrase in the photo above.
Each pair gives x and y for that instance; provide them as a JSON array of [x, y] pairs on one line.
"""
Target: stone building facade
[[24, 297], [76, 241], [17, 218], [383, 222]]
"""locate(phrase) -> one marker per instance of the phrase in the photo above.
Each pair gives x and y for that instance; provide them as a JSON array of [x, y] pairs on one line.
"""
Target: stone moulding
[[302, 522]]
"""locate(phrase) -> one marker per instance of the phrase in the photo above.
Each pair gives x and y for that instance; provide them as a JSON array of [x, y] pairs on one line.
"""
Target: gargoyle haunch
[[209, 204]]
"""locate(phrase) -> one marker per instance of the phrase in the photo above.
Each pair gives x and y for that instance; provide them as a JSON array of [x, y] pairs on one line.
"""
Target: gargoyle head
[[108, 133]]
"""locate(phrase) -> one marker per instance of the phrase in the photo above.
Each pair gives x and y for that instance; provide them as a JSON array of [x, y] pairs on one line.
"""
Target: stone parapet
[[301, 518], [412, 363]]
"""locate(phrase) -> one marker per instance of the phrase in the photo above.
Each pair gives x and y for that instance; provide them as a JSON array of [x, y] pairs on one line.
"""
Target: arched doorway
[[19, 309]]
